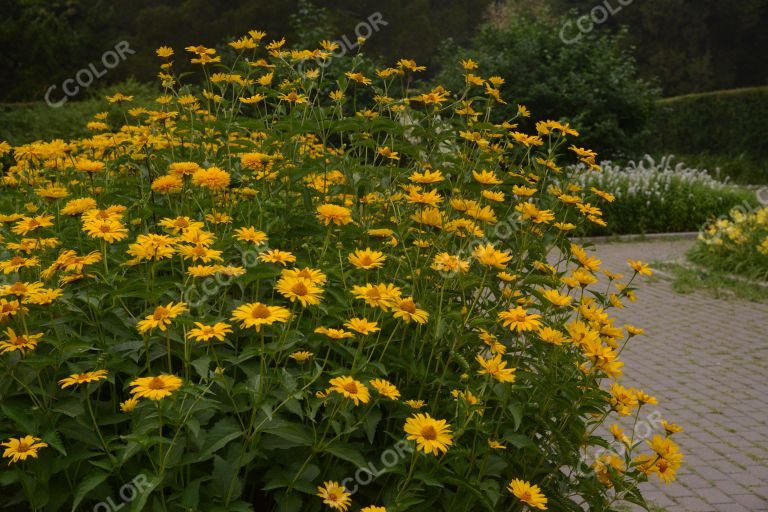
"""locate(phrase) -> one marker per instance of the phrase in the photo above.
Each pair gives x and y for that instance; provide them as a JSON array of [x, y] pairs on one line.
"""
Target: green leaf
[[348, 452], [92, 480], [23, 421]]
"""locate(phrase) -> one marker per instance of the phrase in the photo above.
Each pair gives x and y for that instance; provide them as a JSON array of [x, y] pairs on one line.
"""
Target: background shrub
[[729, 125], [658, 196], [592, 82]]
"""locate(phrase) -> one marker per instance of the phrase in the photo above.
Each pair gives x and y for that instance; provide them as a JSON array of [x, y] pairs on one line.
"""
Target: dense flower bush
[[737, 243], [659, 196], [269, 293]]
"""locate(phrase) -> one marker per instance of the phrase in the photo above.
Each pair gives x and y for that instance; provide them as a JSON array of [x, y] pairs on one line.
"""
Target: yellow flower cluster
[[267, 279]]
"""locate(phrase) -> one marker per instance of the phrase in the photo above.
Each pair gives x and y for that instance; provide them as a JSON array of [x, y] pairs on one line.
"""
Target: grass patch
[[718, 284], [22, 123]]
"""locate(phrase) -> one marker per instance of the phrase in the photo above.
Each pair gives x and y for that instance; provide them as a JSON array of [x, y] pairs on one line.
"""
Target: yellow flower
[[78, 206], [277, 256], [168, 184], [557, 298], [335, 495], [298, 288], [151, 247], [334, 334], [212, 178], [164, 51], [529, 211], [350, 388], [29, 224], [257, 314], [380, 295], [407, 310], [312, 275], [495, 445], [640, 267], [527, 493], [301, 356], [519, 319], [203, 332], [83, 378], [161, 317], [490, 256], [385, 388], [22, 448], [155, 388], [129, 405], [109, 230], [362, 326], [331, 213], [367, 259], [373, 509], [20, 342], [431, 435], [486, 178], [250, 234], [496, 368]]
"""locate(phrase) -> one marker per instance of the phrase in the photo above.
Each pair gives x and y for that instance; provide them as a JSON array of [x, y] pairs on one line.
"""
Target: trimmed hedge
[[731, 122]]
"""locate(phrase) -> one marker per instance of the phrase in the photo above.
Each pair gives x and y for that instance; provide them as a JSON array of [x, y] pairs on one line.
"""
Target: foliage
[[658, 196], [592, 82], [27, 122], [45, 42], [737, 243], [687, 45], [209, 299], [717, 123]]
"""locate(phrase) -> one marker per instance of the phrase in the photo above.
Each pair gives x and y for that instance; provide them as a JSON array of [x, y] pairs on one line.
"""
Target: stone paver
[[706, 360]]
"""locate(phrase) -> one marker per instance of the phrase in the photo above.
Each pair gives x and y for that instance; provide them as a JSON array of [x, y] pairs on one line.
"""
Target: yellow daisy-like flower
[[297, 288], [334, 334], [415, 404], [406, 309], [334, 214], [367, 259], [212, 178], [129, 405], [496, 368], [83, 378], [495, 445], [155, 388], [385, 388], [250, 234], [312, 275], [556, 298], [22, 448], [380, 295], [640, 267], [350, 388], [161, 317], [527, 493], [277, 256], [20, 342], [431, 435], [373, 509], [301, 356], [335, 495], [519, 319], [490, 256], [257, 314], [78, 206], [203, 332], [362, 326]]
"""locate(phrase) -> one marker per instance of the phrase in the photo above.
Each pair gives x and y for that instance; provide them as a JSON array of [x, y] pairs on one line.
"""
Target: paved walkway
[[706, 360]]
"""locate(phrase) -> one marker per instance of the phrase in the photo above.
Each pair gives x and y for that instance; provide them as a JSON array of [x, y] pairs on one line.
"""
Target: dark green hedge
[[733, 122]]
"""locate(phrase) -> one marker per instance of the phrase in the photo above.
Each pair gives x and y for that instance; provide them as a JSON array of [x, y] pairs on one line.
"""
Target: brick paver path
[[706, 360]]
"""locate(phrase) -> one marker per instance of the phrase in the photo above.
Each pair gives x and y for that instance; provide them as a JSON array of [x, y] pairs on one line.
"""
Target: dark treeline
[[688, 45]]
